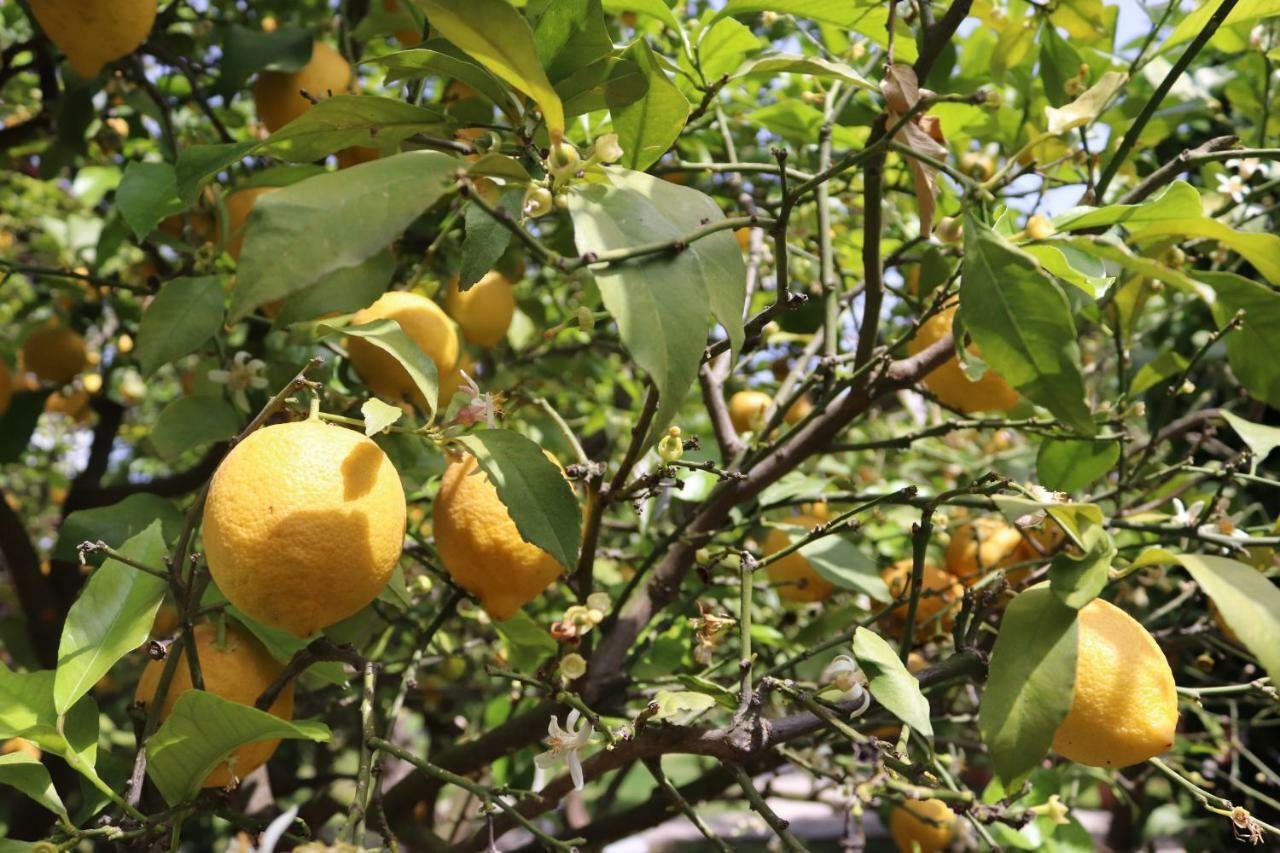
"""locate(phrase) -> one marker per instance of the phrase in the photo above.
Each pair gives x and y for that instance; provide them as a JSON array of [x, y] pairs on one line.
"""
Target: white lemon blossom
[[1185, 516], [845, 675], [607, 149], [565, 744], [242, 374], [1040, 495], [1232, 185]]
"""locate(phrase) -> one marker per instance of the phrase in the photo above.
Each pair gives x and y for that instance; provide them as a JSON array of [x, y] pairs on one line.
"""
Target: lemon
[[796, 577], [926, 826], [480, 546], [23, 745], [940, 594], [948, 381], [988, 544], [277, 94], [799, 410], [1125, 706], [239, 205], [484, 310], [428, 327], [747, 408], [355, 155], [94, 32], [304, 524], [54, 353], [239, 670]]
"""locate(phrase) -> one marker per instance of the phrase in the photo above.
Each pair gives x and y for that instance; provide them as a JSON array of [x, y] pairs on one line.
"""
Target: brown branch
[[721, 424], [1166, 173]]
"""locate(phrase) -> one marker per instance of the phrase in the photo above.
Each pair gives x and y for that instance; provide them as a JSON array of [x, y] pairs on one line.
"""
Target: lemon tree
[[429, 424]]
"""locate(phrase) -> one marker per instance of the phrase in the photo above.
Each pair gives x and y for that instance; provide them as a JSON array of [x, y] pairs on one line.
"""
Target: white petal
[[575, 770], [219, 376], [545, 760], [571, 721], [539, 778]]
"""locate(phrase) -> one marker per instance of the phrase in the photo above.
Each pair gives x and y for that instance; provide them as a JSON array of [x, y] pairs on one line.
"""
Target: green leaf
[[148, 192], [810, 66], [1244, 11], [1179, 200], [340, 292], [485, 238], [648, 126], [116, 524], [528, 643], [721, 50], [1031, 682], [27, 711], [534, 490], [1070, 464], [495, 165], [1261, 439], [190, 422], [1065, 262], [1110, 249], [18, 422], [1078, 580], [182, 317], [1167, 363], [343, 121], [611, 83], [1086, 108], [498, 37], [303, 232], [654, 8], [839, 561], [425, 61], [661, 302], [569, 35], [378, 415], [1249, 348], [889, 681], [1247, 600], [387, 336], [112, 617], [1260, 249], [1059, 63], [246, 51], [198, 163], [202, 730], [682, 707], [867, 19], [1022, 322], [28, 775]]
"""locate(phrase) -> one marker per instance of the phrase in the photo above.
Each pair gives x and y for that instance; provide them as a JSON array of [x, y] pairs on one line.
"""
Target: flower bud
[[537, 202], [671, 448], [573, 666], [1040, 227], [607, 149], [564, 159]]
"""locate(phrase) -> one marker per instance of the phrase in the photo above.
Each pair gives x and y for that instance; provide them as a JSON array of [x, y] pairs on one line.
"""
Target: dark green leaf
[[429, 60], [1250, 347], [306, 231], [1022, 322], [839, 561], [569, 35], [28, 775], [387, 336], [182, 317], [889, 681], [1078, 580], [1160, 368], [486, 238], [1247, 600], [611, 83], [246, 51], [647, 127], [341, 291], [1059, 63], [1070, 464], [148, 193], [528, 643], [344, 121], [534, 490], [1031, 682], [202, 730], [193, 422], [661, 302], [112, 617], [117, 523]]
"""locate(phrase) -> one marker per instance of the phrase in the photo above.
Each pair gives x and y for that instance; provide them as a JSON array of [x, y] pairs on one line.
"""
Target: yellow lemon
[[940, 595], [54, 353], [277, 94], [925, 826], [304, 524], [239, 205], [948, 381], [986, 545], [23, 745], [1125, 706], [94, 32], [428, 327], [747, 408], [795, 576], [484, 310], [480, 546], [407, 36], [799, 410], [239, 670]]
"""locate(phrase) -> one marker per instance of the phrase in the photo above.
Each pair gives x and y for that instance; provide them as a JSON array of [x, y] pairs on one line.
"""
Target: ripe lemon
[[799, 410], [428, 327], [277, 94], [355, 155], [54, 353], [240, 670], [948, 381], [239, 205], [1125, 706], [484, 310], [304, 524], [798, 580], [926, 826], [988, 544], [94, 32], [747, 408], [480, 546], [6, 387], [18, 744], [940, 595]]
